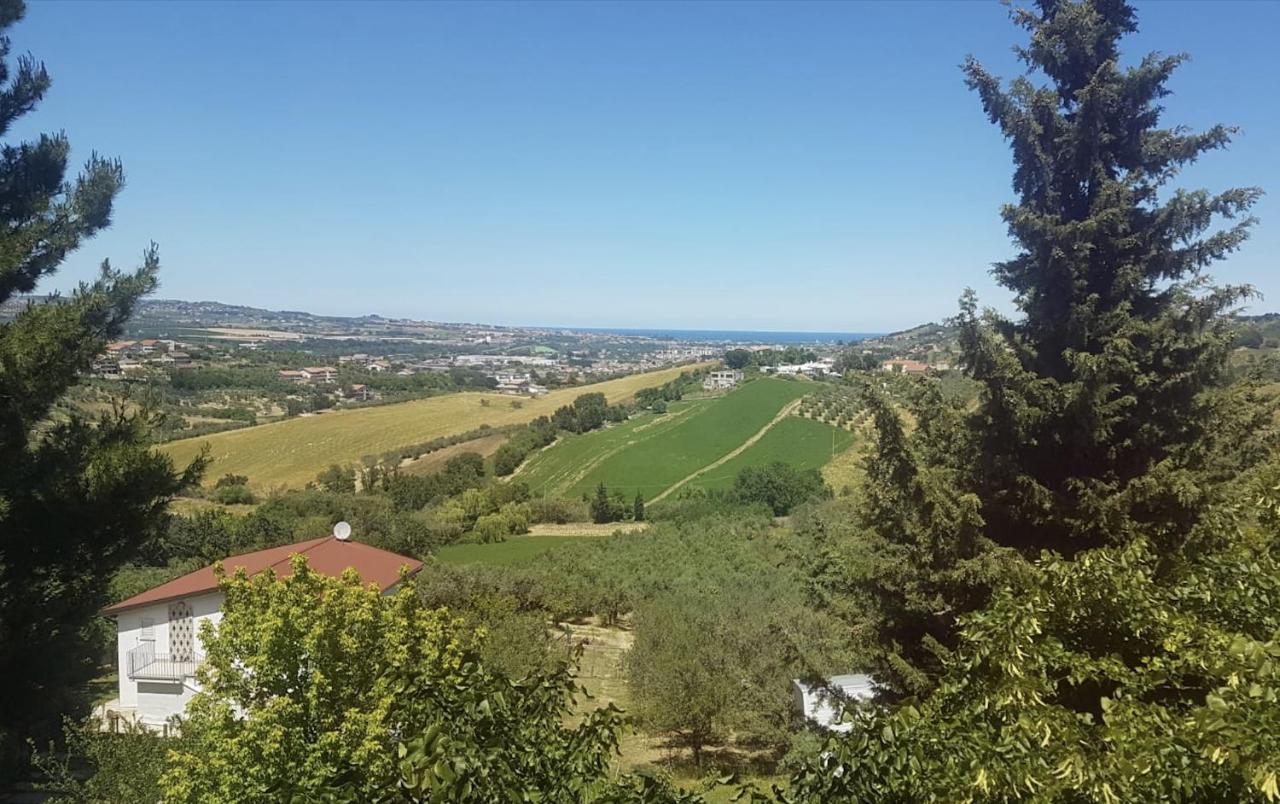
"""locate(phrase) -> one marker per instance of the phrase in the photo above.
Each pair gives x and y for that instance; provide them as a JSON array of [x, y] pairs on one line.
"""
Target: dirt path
[[743, 447]]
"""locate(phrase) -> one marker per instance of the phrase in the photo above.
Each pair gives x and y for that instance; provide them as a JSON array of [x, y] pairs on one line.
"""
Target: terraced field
[[292, 452], [648, 454]]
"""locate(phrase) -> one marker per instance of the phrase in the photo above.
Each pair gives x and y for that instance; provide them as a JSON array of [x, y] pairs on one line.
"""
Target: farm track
[[659, 425], [786, 411]]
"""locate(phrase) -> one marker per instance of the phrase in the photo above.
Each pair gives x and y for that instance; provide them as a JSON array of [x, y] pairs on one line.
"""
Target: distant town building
[[357, 392], [722, 379], [904, 366], [177, 360], [106, 368], [320, 374], [500, 360], [814, 368]]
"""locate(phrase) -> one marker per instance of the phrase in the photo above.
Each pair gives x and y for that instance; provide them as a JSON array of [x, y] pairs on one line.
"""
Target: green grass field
[[650, 453], [803, 443], [291, 452], [515, 550]]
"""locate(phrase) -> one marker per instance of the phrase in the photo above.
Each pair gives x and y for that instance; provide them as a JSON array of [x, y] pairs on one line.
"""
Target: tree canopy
[[1072, 593], [1106, 413], [78, 496]]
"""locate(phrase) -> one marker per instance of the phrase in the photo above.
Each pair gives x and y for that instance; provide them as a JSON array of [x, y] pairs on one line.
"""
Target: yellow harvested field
[[293, 451]]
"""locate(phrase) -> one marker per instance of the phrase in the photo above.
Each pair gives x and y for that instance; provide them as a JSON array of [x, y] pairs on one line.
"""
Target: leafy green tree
[[78, 497], [637, 508], [683, 674], [779, 485], [590, 410], [711, 664], [737, 358], [321, 689], [1105, 413], [337, 479]]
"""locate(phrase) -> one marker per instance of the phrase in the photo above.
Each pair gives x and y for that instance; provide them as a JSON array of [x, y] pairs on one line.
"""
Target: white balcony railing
[[144, 664]]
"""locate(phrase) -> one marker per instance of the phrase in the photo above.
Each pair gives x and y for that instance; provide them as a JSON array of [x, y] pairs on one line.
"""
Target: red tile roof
[[327, 555]]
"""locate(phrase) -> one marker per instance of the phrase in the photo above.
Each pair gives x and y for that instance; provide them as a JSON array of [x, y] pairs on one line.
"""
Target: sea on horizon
[[735, 336]]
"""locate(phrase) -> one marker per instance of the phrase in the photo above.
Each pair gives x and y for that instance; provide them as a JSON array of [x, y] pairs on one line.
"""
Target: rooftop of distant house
[[327, 555]]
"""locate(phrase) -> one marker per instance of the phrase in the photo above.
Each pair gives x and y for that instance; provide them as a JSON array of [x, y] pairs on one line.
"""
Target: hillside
[[291, 452], [651, 454]]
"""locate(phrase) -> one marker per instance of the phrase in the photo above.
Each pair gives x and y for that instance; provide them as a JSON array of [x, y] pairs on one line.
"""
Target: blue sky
[[704, 165]]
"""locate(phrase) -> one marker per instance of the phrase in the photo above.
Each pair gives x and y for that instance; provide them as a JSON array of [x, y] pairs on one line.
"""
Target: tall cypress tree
[[1106, 411], [77, 496]]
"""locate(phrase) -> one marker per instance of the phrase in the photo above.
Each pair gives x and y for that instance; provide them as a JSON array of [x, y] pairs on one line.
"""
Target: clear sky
[[698, 165]]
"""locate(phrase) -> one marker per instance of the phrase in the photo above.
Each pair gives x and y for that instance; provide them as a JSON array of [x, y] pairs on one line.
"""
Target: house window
[[148, 629]]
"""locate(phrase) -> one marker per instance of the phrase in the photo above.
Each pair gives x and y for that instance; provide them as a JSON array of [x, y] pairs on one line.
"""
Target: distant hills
[[154, 315]]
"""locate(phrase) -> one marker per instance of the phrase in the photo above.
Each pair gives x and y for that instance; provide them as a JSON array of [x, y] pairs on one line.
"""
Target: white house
[[820, 706], [158, 644]]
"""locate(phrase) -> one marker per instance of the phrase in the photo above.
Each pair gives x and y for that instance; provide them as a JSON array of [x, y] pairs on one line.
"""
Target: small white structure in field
[[158, 647], [821, 707]]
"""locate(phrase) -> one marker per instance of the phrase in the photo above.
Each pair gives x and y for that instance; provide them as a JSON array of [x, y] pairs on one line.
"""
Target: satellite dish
[[342, 531]]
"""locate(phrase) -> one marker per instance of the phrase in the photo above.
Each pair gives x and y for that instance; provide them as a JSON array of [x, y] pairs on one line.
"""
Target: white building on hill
[[722, 379], [158, 644]]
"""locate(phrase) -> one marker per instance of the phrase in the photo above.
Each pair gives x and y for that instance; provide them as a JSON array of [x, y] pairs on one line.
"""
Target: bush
[[233, 495], [231, 480], [105, 766], [557, 510]]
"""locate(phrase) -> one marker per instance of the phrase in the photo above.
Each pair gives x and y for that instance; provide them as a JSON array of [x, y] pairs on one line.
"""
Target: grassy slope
[[558, 468], [293, 451], [650, 454], [803, 443]]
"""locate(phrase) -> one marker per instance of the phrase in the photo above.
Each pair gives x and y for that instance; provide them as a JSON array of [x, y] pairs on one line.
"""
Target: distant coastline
[[733, 336]]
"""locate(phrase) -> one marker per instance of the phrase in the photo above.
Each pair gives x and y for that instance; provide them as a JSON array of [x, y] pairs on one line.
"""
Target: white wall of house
[[155, 701]]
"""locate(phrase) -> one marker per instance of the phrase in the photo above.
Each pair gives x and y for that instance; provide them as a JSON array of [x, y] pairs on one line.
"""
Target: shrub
[[233, 495], [231, 480]]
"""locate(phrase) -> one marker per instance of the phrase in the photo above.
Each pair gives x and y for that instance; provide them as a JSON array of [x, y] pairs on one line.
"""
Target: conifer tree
[[77, 496], [1106, 411]]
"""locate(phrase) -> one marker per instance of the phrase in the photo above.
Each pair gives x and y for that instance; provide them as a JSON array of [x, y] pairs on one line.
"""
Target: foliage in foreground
[[79, 496], [1070, 602], [100, 766], [1099, 679], [321, 689], [1107, 413]]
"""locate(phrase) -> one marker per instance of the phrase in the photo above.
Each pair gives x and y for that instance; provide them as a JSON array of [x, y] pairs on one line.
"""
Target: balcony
[[144, 664]]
